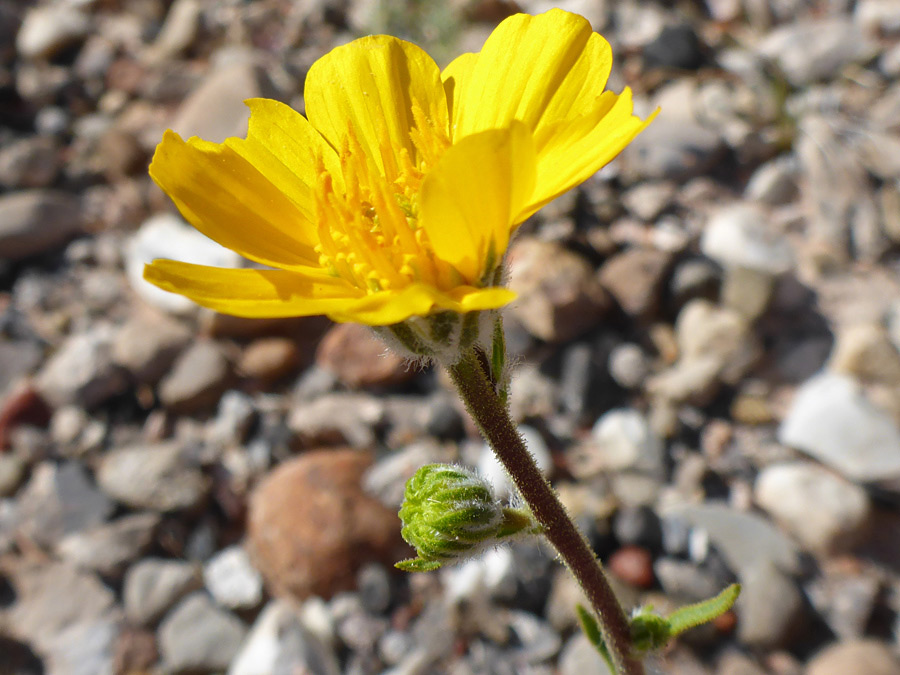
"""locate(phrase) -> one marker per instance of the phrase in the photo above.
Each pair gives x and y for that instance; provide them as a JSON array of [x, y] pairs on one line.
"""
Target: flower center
[[369, 233]]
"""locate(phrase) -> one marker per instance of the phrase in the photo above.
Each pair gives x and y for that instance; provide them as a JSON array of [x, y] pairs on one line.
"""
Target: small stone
[[359, 359], [635, 279], [232, 580], [23, 406], [633, 565], [622, 440], [705, 331], [135, 651], [841, 511], [747, 291], [216, 110], [29, 163], [877, 16], [855, 656], [684, 581], [12, 469], [558, 296], [865, 351], [167, 236], [279, 644], [338, 419], [639, 526], [107, 549], [147, 346], [771, 610], [775, 182], [831, 420], [269, 359], [60, 500], [197, 380], [153, 585], [676, 46], [807, 51], [490, 468], [741, 236], [310, 526], [49, 29], [579, 656], [197, 636], [845, 599], [648, 200], [36, 221], [628, 365], [158, 477], [177, 32]]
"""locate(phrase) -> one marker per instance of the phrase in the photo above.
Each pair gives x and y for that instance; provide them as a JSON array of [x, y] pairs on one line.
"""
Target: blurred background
[[706, 334]]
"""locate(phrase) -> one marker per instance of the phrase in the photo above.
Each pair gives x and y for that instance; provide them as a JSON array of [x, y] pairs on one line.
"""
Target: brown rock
[[359, 359], [633, 565], [635, 278], [269, 358], [559, 297], [135, 651], [858, 656], [198, 378], [311, 527]]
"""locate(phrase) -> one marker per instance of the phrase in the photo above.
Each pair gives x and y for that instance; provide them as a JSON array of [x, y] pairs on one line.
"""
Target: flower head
[[396, 196]]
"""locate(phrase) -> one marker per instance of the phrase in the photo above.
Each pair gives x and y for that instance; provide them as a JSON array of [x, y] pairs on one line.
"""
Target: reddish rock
[[633, 565], [269, 359], [359, 359], [23, 406], [311, 526]]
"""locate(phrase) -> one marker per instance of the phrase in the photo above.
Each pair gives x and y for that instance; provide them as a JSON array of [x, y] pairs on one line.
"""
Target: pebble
[[109, 548], [177, 32], [336, 419], [12, 470], [280, 644], [704, 331], [359, 359], [840, 517], [269, 359], [621, 440], [854, 656], [159, 477], [147, 346], [742, 236], [197, 636], [167, 236], [490, 468], [559, 297], [676, 46], [153, 585], [633, 565], [865, 352], [831, 420], [579, 656], [684, 581], [29, 163], [311, 527], [232, 580], [771, 610], [215, 110], [628, 365], [49, 29], [845, 600], [36, 221], [59, 500], [635, 278], [775, 183], [199, 376]]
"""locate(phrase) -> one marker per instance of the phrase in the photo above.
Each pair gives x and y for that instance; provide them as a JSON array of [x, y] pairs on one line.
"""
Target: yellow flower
[[397, 194]]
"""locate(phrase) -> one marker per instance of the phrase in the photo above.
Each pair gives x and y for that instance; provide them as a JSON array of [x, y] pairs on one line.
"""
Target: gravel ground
[[707, 331]]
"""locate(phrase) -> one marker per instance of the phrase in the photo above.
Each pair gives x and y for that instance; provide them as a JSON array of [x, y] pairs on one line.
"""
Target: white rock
[[831, 420], [625, 441], [168, 236], [740, 236], [493, 573], [232, 580], [48, 29], [823, 511]]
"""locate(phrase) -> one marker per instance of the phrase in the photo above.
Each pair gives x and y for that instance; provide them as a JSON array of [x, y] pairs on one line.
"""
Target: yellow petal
[[456, 77], [468, 202], [285, 148], [229, 200], [536, 69], [388, 307], [371, 86], [253, 293], [571, 151]]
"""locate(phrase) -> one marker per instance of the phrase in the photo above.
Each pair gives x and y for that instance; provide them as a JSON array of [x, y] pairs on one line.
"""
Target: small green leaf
[[592, 633], [418, 565], [691, 616], [649, 631]]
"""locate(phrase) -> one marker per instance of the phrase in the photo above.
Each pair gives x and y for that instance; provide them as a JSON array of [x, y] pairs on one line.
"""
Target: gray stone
[[36, 221], [771, 610], [559, 297], [147, 346], [48, 29], [197, 380], [746, 541], [684, 581], [167, 236], [158, 477], [82, 371], [840, 513], [60, 500], [197, 636], [216, 110], [108, 549], [845, 600], [704, 331], [747, 291], [336, 419], [831, 420], [177, 32], [280, 644], [154, 585], [624, 441], [31, 162], [232, 580], [85, 648], [811, 50], [741, 236], [12, 470], [775, 182], [579, 656], [648, 200], [628, 365]]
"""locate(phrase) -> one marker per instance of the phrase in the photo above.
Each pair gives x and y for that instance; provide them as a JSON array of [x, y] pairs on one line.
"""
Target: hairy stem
[[492, 417]]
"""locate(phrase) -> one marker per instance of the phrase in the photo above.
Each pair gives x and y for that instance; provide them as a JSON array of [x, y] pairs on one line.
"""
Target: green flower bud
[[449, 513]]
